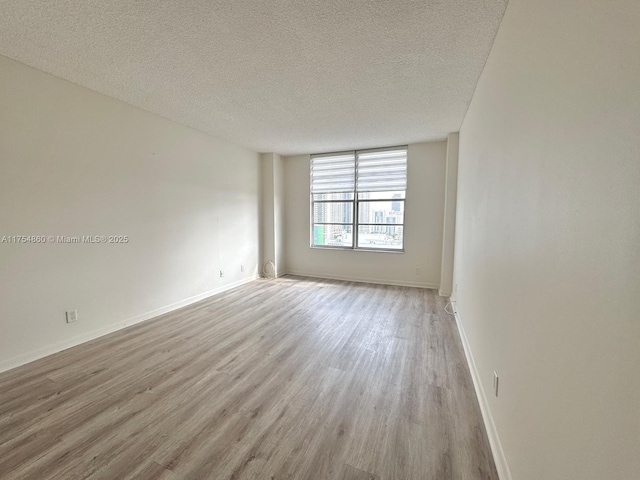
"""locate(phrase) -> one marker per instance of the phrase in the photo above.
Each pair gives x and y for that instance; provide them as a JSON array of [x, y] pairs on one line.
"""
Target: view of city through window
[[380, 220], [358, 199]]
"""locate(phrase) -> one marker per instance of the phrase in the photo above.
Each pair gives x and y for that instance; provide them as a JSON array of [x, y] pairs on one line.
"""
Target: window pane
[[333, 212], [380, 236], [333, 196], [333, 235], [386, 212]]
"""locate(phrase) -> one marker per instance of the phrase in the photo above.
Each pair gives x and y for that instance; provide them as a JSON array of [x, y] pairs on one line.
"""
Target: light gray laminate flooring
[[294, 378]]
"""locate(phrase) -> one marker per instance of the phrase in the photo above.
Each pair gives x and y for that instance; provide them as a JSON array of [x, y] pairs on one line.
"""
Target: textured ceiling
[[280, 76]]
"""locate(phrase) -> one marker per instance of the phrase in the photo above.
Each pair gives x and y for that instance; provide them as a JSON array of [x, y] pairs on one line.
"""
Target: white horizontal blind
[[382, 170], [333, 172]]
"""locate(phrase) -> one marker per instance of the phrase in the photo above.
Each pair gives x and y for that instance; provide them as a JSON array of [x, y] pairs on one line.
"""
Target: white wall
[[278, 214], [74, 162], [267, 219], [272, 213], [423, 231], [449, 223], [548, 237]]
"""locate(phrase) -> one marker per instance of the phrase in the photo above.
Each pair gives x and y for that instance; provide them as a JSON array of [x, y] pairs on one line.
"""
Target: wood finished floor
[[286, 379]]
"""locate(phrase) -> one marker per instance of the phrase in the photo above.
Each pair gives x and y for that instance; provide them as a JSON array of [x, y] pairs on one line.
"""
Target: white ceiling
[[280, 76]]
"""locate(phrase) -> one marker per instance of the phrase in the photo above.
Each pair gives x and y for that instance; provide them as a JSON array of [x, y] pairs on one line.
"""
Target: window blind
[[382, 170], [333, 173]]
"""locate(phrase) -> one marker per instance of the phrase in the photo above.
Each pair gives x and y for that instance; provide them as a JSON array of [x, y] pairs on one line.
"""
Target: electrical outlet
[[496, 383], [417, 271], [242, 268], [72, 316], [221, 273]]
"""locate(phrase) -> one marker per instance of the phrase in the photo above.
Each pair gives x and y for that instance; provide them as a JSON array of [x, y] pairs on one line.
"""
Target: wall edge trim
[[499, 457], [377, 281]]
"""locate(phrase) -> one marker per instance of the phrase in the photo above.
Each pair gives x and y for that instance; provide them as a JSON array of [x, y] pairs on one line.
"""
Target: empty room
[[320, 240]]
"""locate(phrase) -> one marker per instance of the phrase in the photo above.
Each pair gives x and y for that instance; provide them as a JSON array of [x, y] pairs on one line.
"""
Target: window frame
[[355, 206]]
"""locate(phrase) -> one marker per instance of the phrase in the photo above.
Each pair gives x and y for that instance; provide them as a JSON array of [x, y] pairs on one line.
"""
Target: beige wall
[[548, 238], [73, 162], [419, 265]]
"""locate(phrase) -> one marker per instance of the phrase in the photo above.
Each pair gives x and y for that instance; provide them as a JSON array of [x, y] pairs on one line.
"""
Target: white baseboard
[[378, 281], [494, 440], [38, 353]]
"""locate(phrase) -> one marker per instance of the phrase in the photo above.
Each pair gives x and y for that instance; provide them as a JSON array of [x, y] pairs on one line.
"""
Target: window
[[357, 199]]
